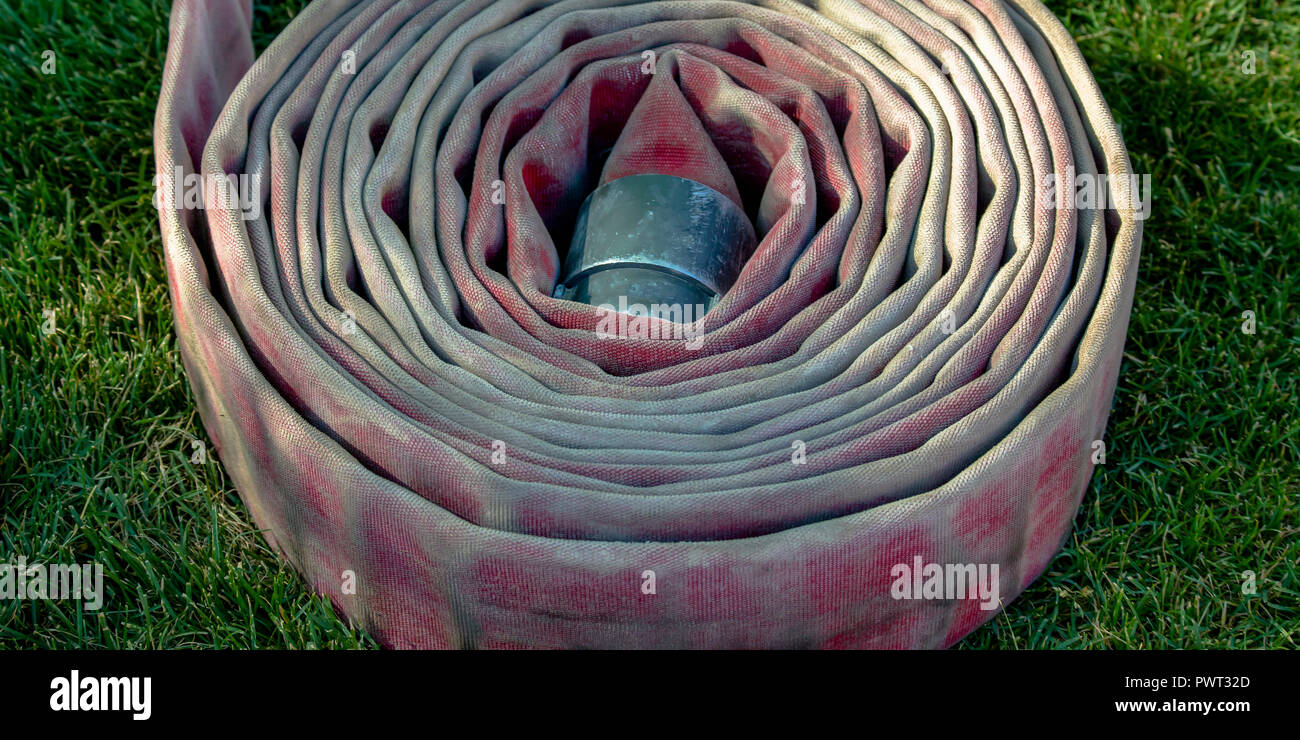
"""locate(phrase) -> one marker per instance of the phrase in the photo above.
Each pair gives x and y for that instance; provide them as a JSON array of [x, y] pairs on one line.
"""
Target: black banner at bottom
[[187, 690]]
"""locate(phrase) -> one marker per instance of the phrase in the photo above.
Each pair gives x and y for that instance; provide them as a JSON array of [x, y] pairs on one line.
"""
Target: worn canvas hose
[[911, 367]]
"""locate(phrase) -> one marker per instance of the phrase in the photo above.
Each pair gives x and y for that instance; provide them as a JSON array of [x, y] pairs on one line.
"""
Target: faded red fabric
[[915, 361]]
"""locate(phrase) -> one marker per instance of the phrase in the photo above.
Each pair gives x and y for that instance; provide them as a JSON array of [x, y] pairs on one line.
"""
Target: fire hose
[[612, 324]]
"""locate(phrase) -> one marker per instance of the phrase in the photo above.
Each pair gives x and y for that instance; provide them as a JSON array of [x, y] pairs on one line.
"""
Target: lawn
[[1202, 478]]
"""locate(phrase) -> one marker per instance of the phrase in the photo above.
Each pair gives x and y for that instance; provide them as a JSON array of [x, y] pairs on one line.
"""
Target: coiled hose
[[364, 227]]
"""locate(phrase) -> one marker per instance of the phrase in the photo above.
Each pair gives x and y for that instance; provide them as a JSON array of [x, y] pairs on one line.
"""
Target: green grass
[[1203, 472]]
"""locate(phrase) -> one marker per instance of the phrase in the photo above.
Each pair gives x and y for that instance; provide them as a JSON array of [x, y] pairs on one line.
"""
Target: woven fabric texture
[[915, 361]]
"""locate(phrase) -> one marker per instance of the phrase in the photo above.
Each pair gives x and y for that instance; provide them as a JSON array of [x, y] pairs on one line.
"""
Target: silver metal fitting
[[655, 239]]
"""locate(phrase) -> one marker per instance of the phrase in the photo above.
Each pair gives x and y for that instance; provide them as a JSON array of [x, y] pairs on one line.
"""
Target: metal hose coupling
[[655, 240]]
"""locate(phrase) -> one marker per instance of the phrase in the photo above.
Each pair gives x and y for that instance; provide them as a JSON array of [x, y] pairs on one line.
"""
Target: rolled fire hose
[[392, 260]]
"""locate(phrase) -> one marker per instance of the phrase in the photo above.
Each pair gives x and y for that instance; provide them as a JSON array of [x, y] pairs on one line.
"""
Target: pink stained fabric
[[915, 361]]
